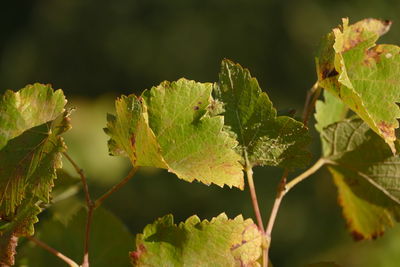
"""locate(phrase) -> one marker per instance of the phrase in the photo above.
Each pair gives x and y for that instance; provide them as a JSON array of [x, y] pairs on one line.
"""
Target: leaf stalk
[[254, 201], [53, 251], [116, 187], [309, 105], [90, 207], [317, 165], [283, 189]]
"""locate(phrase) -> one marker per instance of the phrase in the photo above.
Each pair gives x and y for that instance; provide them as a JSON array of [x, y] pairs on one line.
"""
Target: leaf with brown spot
[[194, 243], [365, 76], [172, 128], [367, 176]]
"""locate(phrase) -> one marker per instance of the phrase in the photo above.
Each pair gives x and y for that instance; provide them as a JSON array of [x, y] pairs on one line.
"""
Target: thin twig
[[311, 98], [89, 219], [83, 178], [254, 201], [53, 251], [274, 212], [116, 187], [90, 206], [249, 174], [283, 189], [317, 165]]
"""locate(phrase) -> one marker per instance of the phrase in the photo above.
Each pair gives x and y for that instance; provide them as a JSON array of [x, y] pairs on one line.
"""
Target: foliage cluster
[[214, 133]]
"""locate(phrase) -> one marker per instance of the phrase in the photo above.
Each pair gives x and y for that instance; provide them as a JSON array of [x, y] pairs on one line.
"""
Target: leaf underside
[[219, 242], [31, 121], [171, 127], [362, 74], [266, 139], [367, 175]]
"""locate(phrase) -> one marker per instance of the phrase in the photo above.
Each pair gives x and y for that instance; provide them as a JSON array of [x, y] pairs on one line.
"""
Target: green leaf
[[31, 122], [28, 164], [266, 139], [171, 127], [363, 75], [219, 242], [110, 241], [367, 176], [31, 106], [329, 111]]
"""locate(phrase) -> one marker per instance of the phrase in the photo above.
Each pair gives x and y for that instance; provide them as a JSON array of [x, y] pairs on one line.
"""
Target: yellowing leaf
[[367, 175], [171, 126], [363, 75], [31, 106], [219, 242]]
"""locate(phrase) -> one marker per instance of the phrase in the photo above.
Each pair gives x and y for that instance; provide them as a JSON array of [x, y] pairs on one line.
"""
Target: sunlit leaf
[[266, 138], [219, 242], [362, 74], [329, 111], [171, 127], [31, 121], [31, 106], [367, 175]]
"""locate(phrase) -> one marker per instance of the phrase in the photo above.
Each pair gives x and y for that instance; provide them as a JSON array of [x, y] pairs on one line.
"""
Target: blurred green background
[[97, 50]]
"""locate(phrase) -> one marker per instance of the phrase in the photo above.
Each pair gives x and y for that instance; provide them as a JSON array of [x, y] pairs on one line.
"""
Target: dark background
[[97, 50]]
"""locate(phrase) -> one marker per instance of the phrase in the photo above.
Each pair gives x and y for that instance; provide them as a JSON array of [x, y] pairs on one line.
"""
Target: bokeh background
[[97, 50]]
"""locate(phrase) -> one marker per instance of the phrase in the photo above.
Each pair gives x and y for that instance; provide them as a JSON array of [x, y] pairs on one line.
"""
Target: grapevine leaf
[[31, 106], [367, 175], [364, 75], [131, 134], [31, 121], [219, 242], [107, 247], [329, 111], [266, 139], [28, 163], [171, 127]]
